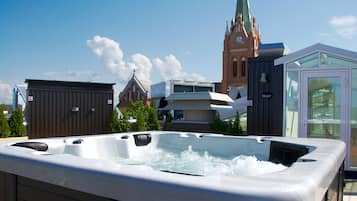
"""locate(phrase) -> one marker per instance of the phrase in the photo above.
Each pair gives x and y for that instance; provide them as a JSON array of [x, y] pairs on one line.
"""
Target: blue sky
[[87, 40]]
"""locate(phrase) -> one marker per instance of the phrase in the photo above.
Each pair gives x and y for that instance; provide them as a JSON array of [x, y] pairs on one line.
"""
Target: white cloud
[[171, 68], [347, 32], [343, 21], [5, 93], [345, 26], [112, 56]]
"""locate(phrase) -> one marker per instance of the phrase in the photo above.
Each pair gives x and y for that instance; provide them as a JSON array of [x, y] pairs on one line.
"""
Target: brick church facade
[[241, 41], [134, 91]]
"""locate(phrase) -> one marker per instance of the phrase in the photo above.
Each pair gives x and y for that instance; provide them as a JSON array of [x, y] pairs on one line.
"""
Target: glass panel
[[324, 107], [182, 88], [178, 115], [353, 159], [305, 62], [200, 89], [333, 61], [291, 101]]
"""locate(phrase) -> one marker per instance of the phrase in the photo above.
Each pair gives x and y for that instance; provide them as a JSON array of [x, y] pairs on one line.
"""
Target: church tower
[[241, 41]]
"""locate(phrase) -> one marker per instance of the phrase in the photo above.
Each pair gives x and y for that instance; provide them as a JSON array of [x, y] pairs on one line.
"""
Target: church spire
[[134, 76], [243, 11], [227, 28]]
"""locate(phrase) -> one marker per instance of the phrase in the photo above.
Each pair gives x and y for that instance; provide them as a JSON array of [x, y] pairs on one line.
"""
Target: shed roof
[[37, 83]]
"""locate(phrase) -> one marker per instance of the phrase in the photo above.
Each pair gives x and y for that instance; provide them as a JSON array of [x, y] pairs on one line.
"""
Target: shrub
[[17, 127], [153, 123], [218, 126], [169, 118], [146, 117], [232, 127], [4, 125], [119, 125]]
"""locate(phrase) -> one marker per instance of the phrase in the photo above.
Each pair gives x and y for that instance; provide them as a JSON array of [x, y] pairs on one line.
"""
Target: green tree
[[140, 124], [4, 107], [137, 111], [115, 121], [234, 127], [17, 127], [119, 125], [169, 118], [146, 117], [153, 123], [218, 126], [4, 125]]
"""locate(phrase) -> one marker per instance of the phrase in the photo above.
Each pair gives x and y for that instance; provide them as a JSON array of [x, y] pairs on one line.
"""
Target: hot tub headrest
[[142, 139], [286, 153], [38, 146]]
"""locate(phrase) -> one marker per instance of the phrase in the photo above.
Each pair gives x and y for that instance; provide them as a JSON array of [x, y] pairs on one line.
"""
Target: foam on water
[[194, 163]]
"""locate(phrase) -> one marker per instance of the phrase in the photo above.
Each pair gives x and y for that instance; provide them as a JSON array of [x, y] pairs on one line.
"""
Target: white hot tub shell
[[87, 164]]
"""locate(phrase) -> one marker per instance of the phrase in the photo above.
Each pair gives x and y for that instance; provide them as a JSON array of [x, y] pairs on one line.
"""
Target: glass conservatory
[[320, 97]]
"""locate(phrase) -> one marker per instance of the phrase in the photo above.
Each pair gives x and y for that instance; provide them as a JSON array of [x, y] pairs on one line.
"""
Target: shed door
[[324, 104]]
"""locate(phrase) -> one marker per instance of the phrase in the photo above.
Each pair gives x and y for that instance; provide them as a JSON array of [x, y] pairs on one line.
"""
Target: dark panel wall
[[52, 111], [7, 187], [24, 189], [17, 188], [265, 116]]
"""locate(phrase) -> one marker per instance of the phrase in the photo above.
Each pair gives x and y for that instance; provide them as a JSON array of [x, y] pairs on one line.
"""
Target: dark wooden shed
[[61, 108], [265, 90]]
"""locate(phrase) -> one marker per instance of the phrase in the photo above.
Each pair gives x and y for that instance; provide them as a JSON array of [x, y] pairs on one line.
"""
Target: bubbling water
[[194, 163]]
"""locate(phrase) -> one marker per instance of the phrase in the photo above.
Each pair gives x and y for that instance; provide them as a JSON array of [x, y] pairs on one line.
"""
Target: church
[[241, 41]]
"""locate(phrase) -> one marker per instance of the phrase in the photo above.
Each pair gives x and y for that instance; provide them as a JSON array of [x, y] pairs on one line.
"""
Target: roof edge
[[318, 47]]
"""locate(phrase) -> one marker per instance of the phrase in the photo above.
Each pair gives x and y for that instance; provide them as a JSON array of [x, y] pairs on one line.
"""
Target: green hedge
[[230, 127], [4, 125], [16, 124]]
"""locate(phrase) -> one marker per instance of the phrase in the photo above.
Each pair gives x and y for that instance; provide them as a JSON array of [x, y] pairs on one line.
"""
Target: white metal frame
[[321, 48], [305, 75]]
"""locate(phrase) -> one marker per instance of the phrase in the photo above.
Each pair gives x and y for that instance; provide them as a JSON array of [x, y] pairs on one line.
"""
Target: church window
[[235, 66], [243, 68]]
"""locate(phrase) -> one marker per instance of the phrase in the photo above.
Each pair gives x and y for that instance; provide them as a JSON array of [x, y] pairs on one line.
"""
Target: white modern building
[[199, 107], [320, 96], [166, 88]]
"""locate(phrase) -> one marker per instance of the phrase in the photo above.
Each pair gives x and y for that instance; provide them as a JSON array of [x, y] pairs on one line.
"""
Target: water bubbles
[[195, 163]]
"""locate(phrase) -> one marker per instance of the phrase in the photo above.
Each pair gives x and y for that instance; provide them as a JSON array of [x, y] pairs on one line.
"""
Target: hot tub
[[172, 166]]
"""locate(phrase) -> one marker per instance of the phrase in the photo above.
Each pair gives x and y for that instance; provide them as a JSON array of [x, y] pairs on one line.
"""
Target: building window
[[243, 70], [235, 66], [183, 88], [200, 89]]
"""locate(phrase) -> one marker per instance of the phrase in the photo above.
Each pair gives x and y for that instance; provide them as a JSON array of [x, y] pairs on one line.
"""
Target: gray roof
[[316, 48]]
